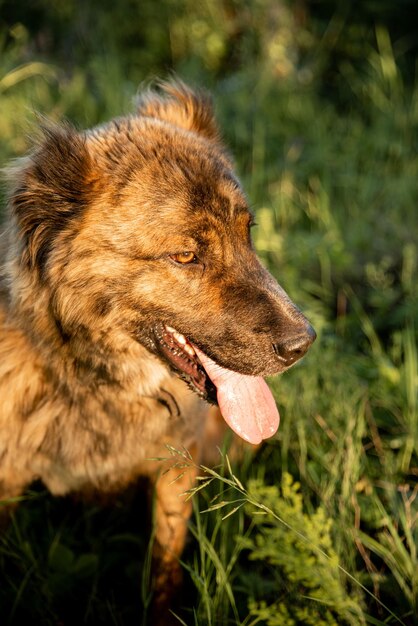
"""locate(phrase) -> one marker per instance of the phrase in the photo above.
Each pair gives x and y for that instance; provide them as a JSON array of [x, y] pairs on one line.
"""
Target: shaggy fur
[[91, 277]]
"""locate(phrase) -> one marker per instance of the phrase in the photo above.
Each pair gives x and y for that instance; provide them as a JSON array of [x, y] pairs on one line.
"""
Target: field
[[319, 526]]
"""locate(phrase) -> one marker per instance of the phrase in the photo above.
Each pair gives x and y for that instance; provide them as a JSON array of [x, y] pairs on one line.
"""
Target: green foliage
[[309, 589]]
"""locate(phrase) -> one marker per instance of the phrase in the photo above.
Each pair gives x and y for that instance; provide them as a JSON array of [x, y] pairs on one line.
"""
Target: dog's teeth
[[179, 338], [188, 348]]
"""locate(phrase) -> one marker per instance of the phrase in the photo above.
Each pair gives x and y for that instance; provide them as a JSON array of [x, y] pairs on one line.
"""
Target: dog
[[131, 299]]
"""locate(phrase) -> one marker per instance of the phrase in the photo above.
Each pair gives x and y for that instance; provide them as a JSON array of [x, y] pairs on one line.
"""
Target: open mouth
[[181, 355], [245, 402]]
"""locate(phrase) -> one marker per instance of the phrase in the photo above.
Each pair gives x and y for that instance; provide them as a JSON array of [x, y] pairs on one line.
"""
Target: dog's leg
[[172, 513], [9, 495]]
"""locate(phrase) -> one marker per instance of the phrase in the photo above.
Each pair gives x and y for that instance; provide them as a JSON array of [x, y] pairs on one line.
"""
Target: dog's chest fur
[[74, 433]]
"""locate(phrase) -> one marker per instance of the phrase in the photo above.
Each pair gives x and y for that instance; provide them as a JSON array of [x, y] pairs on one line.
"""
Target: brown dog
[[129, 282]]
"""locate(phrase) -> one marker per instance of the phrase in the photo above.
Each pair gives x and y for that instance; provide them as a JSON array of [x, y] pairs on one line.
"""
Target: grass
[[333, 185]]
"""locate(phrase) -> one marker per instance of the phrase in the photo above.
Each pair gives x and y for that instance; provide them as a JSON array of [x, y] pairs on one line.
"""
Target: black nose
[[291, 349]]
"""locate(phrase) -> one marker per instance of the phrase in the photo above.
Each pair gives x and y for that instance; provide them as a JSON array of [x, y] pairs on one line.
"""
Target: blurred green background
[[318, 101]]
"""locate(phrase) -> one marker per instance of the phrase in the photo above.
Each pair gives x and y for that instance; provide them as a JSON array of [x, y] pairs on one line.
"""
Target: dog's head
[[141, 225]]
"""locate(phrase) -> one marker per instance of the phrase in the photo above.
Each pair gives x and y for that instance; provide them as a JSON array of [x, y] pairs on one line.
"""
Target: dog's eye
[[184, 257]]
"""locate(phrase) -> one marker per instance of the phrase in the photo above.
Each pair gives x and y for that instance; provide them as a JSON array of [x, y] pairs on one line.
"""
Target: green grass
[[325, 526]]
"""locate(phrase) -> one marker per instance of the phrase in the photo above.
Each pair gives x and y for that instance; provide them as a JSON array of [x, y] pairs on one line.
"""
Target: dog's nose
[[291, 349]]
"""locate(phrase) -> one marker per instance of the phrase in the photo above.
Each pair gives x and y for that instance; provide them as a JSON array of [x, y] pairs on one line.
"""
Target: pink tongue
[[245, 402]]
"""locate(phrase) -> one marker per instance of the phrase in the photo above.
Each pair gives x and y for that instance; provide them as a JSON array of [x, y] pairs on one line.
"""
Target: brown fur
[[94, 221]]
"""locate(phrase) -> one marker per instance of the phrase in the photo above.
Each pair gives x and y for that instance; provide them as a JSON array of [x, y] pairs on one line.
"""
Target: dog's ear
[[181, 106], [49, 189]]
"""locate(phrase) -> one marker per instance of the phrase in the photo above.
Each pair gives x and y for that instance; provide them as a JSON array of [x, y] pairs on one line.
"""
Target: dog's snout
[[293, 348]]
